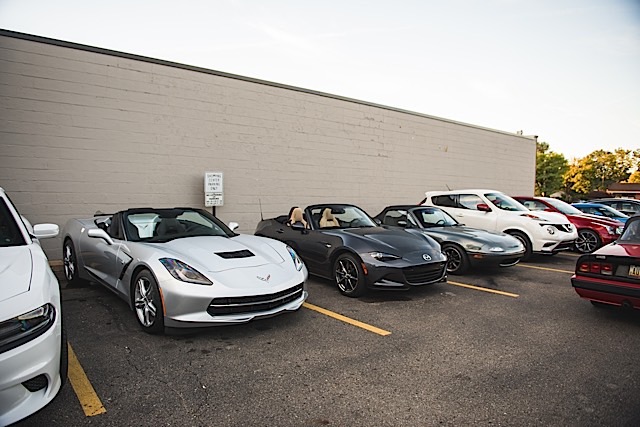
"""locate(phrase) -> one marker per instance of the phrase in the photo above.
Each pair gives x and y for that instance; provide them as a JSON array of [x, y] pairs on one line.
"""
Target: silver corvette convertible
[[183, 267]]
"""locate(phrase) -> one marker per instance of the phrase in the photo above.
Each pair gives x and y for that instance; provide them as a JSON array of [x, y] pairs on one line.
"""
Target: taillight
[[593, 267]]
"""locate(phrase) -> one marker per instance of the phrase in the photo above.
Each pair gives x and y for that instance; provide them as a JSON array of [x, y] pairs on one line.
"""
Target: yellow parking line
[[478, 288], [89, 400], [546, 268], [346, 319]]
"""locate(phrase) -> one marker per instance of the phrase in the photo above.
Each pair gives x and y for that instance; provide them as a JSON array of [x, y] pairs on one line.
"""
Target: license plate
[[634, 270]]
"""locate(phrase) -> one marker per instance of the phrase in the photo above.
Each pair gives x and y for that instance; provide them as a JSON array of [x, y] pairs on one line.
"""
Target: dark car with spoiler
[[341, 242]]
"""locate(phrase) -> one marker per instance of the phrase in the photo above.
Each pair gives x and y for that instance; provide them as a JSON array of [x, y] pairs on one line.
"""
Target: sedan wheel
[[587, 241], [70, 263], [147, 303], [457, 260], [349, 276]]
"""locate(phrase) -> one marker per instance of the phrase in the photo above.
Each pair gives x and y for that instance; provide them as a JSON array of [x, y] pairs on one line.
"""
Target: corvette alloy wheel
[[147, 304], [70, 264]]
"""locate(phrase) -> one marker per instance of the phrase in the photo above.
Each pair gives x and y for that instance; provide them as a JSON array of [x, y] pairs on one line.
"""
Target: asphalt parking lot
[[509, 347]]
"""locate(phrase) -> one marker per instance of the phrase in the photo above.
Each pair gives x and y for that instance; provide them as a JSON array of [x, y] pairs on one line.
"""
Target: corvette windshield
[[161, 225], [340, 217], [504, 202], [433, 217]]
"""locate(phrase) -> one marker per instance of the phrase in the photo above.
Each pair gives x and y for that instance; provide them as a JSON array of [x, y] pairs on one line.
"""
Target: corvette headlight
[[184, 272], [297, 262], [21, 329], [381, 256]]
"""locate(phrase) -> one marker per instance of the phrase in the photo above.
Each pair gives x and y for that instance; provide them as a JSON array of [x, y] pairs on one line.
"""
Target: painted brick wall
[[82, 131]]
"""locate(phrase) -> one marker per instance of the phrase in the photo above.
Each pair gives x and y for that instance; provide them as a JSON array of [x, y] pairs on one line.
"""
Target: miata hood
[[205, 251], [483, 236], [396, 240], [15, 271]]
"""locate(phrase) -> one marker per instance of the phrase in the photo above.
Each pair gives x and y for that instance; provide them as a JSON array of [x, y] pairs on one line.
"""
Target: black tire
[[525, 242], [70, 264], [587, 241], [349, 276], [147, 303], [64, 357], [457, 259]]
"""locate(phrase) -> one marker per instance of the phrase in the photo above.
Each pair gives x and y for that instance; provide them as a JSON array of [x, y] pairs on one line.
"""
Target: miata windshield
[[340, 216], [433, 217]]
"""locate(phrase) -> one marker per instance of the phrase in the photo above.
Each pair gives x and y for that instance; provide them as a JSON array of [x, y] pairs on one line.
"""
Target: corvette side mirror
[[100, 234]]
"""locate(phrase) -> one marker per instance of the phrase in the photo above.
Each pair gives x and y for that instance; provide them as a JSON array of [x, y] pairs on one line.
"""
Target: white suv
[[542, 232], [33, 348]]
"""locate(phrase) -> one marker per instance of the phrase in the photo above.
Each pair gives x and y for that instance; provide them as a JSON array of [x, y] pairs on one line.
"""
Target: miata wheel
[[587, 241], [349, 276], [70, 264], [457, 260], [147, 303], [525, 242]]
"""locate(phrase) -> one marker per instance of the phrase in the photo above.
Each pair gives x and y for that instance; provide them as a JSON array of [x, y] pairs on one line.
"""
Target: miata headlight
[[297, 262], [184, 272], [381, 256], [496, 249], [21, 329]]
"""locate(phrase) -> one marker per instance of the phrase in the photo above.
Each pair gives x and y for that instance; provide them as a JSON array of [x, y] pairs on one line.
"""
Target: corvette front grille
[[424, 274], [254, 303]]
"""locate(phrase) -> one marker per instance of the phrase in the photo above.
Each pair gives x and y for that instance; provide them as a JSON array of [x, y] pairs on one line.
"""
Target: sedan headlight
[[297, 262], [184, 272], [26, 327], [381, 256]]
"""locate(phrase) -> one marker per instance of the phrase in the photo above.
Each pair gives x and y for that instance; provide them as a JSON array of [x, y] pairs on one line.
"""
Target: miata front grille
[[424, 274]]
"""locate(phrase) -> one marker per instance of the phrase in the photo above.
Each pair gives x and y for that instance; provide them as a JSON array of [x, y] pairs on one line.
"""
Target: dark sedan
[[341, 242], [464, 246]]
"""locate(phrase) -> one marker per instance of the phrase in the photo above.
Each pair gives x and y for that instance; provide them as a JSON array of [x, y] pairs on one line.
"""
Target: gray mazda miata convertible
[[341, 242]]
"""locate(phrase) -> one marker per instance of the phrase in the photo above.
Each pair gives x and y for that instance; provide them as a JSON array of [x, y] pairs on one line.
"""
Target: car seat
[[328, 220]]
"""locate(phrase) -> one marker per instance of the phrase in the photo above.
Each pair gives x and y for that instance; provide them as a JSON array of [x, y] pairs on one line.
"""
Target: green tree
[[600, 169], [550, 169]]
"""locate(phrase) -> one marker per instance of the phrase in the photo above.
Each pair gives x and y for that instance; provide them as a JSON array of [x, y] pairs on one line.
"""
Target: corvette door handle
[[326, 244], [280, 231]]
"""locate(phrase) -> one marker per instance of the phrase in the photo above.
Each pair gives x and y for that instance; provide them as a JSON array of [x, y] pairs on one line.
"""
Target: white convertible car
[[183, 267], [33, 347]]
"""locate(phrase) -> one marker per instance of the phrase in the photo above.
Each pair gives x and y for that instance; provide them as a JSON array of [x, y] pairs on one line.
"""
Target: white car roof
[[464, 190]]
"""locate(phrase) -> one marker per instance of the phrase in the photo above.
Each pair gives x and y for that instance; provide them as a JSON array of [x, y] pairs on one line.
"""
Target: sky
[[567, 71]]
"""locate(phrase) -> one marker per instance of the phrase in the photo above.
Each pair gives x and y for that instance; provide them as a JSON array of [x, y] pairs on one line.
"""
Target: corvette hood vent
[[236, 254]]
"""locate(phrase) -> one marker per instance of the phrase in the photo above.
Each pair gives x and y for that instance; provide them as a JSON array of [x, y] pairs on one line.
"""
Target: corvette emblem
[[426, 257], [264, 279]]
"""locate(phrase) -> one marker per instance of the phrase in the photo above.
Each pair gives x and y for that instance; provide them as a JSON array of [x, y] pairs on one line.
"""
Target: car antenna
[[260, 203], [446, 185]]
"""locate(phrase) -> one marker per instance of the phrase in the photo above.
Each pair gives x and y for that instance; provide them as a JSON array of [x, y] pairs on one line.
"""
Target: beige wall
[[82, 131]]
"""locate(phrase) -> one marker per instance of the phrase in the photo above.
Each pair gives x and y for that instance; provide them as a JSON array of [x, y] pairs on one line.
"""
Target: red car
[[593, 231], [611, 275]]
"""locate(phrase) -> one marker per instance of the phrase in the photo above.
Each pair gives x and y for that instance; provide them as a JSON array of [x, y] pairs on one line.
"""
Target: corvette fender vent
[[237, 254]]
